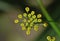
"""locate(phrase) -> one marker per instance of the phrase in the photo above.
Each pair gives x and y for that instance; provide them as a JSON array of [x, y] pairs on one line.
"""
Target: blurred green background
[[9, 10]]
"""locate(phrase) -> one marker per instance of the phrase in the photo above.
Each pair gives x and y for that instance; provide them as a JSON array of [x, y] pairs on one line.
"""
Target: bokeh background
[[12, 32]]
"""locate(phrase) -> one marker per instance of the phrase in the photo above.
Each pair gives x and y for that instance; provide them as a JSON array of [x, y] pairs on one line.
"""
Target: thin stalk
[[48, 17]]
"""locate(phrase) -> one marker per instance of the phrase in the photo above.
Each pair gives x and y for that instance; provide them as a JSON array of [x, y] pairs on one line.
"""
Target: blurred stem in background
[[48, 17]]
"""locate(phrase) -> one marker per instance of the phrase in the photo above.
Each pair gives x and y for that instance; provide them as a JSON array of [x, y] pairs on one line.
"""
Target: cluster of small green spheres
[[29, 20], [49, 38]]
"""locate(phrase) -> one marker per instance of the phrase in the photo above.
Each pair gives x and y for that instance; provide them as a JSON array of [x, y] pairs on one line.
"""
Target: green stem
[[46, 14]]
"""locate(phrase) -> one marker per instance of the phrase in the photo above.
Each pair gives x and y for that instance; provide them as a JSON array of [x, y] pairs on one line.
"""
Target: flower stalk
[[48, 17]]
